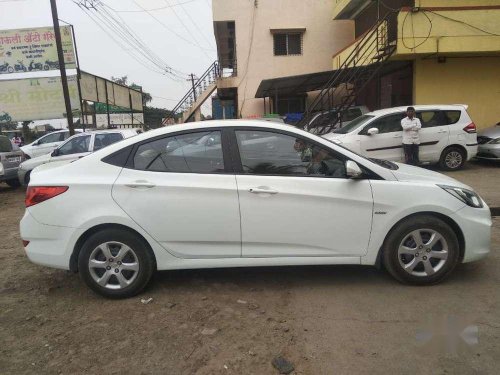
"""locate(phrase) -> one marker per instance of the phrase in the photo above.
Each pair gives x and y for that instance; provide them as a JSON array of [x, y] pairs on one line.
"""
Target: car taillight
[[37, 194], [471, 128]]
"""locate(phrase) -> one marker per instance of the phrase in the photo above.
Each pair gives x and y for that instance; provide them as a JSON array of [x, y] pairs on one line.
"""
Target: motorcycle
[[20, 67], [35, 66], [51, 65], [5, 68]]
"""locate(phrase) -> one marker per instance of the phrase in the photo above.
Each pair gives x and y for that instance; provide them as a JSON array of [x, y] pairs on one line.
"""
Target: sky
[[179, 32]]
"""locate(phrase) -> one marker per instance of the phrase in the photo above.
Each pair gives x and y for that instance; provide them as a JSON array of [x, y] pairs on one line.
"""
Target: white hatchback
[[245, 193], [448, 135]]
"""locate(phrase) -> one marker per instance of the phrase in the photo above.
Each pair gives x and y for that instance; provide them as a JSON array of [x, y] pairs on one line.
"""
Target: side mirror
[[55, 152], [352, 169], [372, 131]]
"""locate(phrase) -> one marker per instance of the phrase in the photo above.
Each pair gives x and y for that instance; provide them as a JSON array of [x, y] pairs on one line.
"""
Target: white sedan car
[[245, 193]]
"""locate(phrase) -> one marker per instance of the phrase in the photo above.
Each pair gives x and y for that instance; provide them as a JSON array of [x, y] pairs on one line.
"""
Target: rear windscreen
[[5, 145]]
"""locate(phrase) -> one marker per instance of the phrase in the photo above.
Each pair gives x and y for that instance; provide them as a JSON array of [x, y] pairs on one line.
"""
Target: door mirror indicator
[[352, 169], [372, 131]]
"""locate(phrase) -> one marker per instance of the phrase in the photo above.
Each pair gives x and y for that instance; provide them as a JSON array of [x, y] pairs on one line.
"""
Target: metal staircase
[[364, 61], [196, 96]]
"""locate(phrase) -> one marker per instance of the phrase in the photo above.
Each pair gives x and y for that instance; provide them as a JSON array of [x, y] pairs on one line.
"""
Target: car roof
[[386, 111]]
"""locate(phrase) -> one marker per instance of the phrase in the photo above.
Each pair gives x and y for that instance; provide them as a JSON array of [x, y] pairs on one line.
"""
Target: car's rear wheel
[[452, 159], [116, 263], [421, 250], [14, 183]]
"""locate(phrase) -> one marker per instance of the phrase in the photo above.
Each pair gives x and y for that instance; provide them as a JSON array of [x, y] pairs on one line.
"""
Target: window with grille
[[287, 44]]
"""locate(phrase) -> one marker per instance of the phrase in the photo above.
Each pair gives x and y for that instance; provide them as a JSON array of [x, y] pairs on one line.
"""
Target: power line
[[194, 24], [169, 29], [151, 10]]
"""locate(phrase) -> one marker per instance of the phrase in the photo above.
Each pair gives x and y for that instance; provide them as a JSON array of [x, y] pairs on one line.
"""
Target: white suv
[[448, 135], [46, 144]]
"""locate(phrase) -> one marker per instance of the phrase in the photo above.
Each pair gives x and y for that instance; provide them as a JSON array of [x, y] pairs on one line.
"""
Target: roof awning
[[301, 84]]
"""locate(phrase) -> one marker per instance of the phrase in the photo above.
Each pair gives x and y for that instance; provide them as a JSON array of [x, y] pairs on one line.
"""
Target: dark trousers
[[411, 154]]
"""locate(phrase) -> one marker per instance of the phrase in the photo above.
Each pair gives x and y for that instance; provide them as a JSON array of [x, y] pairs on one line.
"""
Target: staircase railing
[[206, 79], [352, 76]]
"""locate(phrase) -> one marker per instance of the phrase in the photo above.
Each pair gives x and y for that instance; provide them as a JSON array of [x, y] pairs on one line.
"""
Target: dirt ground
[[325, 320]]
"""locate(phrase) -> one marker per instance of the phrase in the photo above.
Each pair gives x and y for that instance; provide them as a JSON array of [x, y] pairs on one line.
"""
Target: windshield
[[354, 124]]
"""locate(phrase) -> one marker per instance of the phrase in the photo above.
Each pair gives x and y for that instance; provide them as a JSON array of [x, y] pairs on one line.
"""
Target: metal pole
[[62, 66], [192, 82], [78, 76], [107, 101]]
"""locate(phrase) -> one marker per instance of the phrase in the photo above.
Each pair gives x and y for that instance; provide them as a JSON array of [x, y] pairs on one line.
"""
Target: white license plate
[[14, 159]]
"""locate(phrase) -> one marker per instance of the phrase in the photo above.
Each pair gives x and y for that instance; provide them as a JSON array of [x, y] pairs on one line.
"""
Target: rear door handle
[[262, 190], [140, 184]]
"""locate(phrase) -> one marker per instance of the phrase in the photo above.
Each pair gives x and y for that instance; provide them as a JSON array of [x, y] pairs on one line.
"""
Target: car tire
[[452, 159], [13, 183], [27, 178], [411, 256], [116, 263]]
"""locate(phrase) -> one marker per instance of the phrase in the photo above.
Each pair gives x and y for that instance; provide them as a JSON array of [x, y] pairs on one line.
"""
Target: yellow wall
[[455, 3], [435, 32], [474, 81]]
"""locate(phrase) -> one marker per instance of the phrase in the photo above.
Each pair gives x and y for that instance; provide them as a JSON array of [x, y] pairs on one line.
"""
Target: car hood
[[493, 132], [410, 173], [35, 162]]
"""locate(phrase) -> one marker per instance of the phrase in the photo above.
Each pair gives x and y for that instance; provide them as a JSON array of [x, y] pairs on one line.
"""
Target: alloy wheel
[[453, 159], [113, 265], [423, 252]]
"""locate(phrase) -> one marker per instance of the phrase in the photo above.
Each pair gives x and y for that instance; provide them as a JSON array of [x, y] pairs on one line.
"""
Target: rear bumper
[[471, 150], [49, 245], [475, 224], [9, 174]]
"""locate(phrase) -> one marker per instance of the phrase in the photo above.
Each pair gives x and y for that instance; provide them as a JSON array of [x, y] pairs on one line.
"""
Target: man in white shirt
[[411, 126]]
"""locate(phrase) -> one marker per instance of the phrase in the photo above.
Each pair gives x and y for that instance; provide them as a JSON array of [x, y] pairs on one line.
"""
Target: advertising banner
[[27, 50], [36, 98], [117, 119]]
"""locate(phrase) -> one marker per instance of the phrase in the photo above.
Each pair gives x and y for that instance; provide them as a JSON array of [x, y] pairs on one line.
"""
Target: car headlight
[[467, 196], [495, 141]]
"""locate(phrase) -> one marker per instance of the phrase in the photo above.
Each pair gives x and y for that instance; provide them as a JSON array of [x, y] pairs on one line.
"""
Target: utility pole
[[62, 67], [192, 82]]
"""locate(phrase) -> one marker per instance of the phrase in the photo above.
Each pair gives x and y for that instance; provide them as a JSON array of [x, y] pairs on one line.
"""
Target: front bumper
[[475, 224], [49, 245], [489, 152]]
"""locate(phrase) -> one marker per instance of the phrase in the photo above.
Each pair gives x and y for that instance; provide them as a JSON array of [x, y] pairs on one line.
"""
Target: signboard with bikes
[[28, 50], [35, 98]]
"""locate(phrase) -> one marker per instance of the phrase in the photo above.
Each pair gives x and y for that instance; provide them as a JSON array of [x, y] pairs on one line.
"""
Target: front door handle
[[262, 190], [140, 184]]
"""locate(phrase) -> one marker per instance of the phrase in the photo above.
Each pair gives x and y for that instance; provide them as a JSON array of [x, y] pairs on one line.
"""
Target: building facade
[[266, 39], [445, 52]]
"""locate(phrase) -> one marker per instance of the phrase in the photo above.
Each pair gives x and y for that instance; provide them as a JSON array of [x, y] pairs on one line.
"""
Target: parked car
[[325, 118], [489, 143], [74, 148], [10, 158], [46, 144], [252, 193], [448, 135]]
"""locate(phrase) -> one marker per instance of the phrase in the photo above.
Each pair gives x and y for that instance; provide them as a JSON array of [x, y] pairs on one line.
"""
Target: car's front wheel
[[116, 263], [421, 250]]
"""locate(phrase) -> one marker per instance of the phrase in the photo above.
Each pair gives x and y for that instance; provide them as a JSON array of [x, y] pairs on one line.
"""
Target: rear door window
[[103, 140], [451, 117], [430, 119]]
